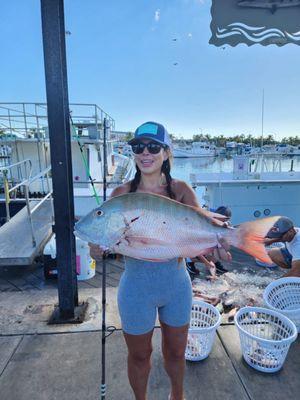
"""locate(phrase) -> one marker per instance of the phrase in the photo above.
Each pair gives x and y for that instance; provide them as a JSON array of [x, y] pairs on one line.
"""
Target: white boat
[[295, 150], [194, 150], [252, 190], [283, 148], [32, 143], [26, 182]]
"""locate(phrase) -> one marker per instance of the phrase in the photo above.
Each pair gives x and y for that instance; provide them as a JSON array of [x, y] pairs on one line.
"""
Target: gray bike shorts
[[149, 287]]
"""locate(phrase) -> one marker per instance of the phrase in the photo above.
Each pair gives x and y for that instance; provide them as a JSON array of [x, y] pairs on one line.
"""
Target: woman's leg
[[139, 363], [173, 347]]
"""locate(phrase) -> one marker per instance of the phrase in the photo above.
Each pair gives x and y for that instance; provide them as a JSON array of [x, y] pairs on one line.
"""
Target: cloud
[[157, 15]]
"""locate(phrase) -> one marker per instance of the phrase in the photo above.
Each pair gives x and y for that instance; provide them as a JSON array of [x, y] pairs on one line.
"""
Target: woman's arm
[[119, 190], [186, 195]]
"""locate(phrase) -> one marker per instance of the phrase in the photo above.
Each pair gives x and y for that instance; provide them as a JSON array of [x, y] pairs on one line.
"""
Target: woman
[[148, 287]]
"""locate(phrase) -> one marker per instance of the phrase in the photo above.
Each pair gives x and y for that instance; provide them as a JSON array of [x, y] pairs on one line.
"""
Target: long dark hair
[[165, 169]]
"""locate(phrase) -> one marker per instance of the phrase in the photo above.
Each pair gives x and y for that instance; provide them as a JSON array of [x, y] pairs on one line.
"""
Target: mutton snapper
[[155, 228]]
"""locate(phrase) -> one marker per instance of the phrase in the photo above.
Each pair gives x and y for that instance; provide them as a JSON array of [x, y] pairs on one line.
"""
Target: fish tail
[[249, 237]]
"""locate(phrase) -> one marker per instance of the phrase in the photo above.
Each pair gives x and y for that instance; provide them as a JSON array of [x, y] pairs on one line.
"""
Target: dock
[[16, 246], [43, 362]]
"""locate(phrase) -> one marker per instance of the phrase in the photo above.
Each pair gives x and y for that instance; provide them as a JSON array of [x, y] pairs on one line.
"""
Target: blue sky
[[121, 54]]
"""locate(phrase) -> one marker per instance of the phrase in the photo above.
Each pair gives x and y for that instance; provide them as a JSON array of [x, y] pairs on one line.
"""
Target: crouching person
[[288, 256]]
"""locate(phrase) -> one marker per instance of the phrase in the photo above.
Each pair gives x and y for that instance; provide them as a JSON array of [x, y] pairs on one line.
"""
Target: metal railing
[[7, 190], [25, 183], [26, 120], [30, 211]]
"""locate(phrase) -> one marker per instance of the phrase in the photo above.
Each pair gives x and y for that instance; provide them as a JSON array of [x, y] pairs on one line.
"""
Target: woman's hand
[[97, 251]]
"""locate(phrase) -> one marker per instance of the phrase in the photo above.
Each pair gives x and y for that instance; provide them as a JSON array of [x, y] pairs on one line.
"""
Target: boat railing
[[48, 196], [25, 184], [6, 171], [29, 120]]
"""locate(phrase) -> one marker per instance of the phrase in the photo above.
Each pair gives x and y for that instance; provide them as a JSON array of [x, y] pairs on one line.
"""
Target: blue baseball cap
[[281, 226], [153, 131]]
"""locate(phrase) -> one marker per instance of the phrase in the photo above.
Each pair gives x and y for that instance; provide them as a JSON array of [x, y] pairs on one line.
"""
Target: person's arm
[[119, 190], [204, 260], [295, 270], [269, 241], [186, 195], [210, 265]]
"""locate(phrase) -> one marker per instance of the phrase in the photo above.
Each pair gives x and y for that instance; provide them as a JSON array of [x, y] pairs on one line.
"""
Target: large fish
[[152, 227]]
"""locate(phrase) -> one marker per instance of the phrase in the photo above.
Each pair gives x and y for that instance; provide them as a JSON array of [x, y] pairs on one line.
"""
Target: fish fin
[[250, 236], [138, 241]]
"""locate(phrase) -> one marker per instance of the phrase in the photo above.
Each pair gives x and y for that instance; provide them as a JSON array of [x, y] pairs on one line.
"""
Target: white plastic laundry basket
[[265, 337], [205, 320], [283, 295]]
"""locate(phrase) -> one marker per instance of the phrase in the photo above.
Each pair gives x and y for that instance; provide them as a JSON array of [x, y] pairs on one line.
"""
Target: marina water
[[183, 167]]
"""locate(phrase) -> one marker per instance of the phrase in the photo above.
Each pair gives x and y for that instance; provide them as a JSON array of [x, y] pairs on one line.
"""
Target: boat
[[231, 148], [26, 180], [252, 189], [295, 150], [284, 148], [194, 150]]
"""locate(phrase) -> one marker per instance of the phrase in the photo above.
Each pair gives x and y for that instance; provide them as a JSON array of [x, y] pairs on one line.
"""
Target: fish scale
[[154, 222], [153, 227]]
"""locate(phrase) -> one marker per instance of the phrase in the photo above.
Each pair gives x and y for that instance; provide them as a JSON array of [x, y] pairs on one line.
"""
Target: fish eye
[[99, 213]]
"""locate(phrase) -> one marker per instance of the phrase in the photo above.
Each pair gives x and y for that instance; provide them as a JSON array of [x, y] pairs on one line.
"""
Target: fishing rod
[[106, 331], [103, 384]]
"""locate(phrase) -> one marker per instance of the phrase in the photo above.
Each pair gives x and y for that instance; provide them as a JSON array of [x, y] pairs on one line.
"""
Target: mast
[[262, 118]]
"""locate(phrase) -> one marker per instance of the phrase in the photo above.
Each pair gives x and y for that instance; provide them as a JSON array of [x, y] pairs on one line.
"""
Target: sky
[[121, 56]]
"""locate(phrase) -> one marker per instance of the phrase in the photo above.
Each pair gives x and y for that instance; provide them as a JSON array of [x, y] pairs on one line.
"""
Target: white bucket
[[283, 295], [85, 265], [205, 320], [265, 337]]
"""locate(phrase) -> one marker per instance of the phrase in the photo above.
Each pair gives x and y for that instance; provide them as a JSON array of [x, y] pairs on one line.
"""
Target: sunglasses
[[153, 148]]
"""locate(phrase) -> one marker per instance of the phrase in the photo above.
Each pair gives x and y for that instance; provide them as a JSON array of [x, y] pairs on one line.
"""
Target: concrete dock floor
[[39, 362], [67, 367]]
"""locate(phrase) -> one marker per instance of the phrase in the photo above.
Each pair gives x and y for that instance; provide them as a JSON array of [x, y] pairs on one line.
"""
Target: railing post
[[29, 214], [7, 197], [51, 197]]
